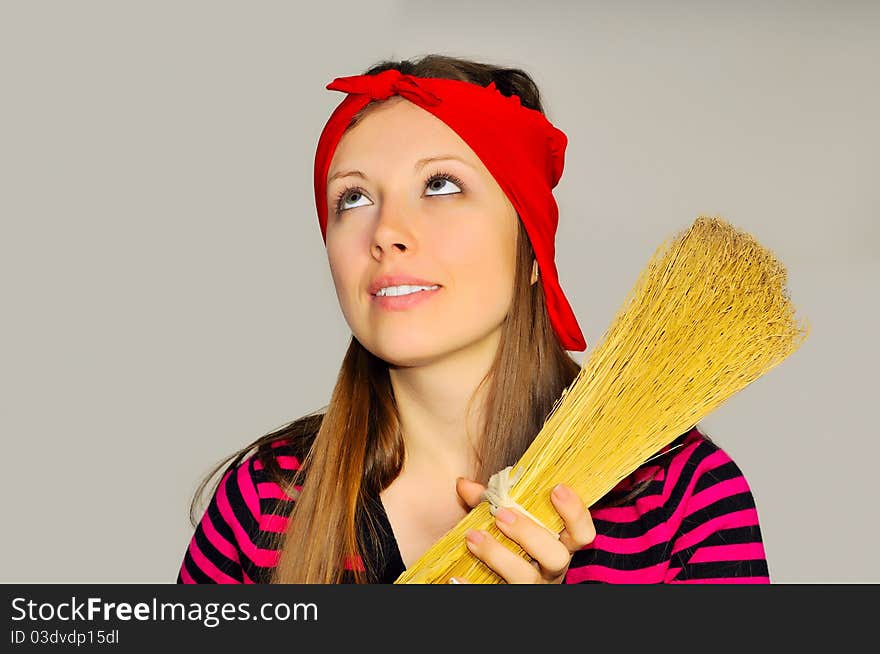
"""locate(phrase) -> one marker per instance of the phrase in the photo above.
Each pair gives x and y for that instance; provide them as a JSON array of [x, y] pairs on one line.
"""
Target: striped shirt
[[694, 522]]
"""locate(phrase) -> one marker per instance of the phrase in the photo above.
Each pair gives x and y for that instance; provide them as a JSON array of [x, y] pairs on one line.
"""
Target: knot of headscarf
[[384, 85]]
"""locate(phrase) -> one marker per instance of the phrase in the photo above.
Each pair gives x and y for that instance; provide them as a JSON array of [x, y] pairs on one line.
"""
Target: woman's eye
[[348, 196], [439, 182]]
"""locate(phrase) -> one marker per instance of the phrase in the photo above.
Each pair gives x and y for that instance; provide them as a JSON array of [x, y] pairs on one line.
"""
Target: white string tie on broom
[[497, 494]]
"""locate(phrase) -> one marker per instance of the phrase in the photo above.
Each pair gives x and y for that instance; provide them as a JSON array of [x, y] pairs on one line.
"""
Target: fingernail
[[506, 516], [560, 492], [474, 536]]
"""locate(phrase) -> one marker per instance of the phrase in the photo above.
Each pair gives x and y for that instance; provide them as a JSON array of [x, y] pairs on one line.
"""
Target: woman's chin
[[407, 357], [407, 350]]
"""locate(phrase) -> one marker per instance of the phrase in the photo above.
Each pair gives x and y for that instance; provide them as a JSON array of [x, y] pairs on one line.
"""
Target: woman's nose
[[393, 230], [379, 250]]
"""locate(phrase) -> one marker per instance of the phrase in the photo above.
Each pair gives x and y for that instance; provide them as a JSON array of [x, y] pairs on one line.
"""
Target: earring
[[535, 271]]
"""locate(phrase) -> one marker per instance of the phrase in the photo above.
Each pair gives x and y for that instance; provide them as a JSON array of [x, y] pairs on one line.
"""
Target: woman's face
[[404, 219]]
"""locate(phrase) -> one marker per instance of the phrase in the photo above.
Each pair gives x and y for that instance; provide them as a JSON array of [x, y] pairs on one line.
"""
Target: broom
[[708, 315]]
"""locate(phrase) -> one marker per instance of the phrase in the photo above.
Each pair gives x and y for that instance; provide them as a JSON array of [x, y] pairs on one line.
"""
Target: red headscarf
[[522, 150]]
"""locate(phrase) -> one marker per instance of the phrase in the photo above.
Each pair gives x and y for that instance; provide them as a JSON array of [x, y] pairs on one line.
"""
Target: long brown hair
[[354, 447]]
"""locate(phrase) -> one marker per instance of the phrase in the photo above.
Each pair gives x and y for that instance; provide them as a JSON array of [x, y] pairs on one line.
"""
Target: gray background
[[166, 296]]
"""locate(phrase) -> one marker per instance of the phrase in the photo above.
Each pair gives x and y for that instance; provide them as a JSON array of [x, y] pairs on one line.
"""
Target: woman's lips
[[403, 302]]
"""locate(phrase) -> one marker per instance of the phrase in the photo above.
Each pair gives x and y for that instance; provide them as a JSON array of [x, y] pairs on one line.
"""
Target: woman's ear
[[534, 272]]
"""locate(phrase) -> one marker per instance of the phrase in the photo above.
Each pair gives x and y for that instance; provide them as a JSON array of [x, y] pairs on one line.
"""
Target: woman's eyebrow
[[421, 163], [443, 157]]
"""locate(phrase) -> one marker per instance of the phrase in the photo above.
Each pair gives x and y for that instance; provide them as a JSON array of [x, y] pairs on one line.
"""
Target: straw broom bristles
[[708, 315]]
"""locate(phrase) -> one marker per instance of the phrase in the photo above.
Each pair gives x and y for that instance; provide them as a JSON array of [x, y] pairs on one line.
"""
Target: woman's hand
[[550, 557]]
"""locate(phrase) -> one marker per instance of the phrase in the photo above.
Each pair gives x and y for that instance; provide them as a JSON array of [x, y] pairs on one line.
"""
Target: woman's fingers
[[579, 530], [469, 491], [551, 555], [511, 567]]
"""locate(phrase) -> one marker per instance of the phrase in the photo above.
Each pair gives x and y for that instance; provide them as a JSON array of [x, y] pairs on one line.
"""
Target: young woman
[[433, 183]]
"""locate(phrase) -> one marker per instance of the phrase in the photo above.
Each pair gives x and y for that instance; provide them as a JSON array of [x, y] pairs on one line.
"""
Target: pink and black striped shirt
[[695, 522]]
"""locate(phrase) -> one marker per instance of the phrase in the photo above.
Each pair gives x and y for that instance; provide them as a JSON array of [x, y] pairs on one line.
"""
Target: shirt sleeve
[[719, 538], [222, 550]]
